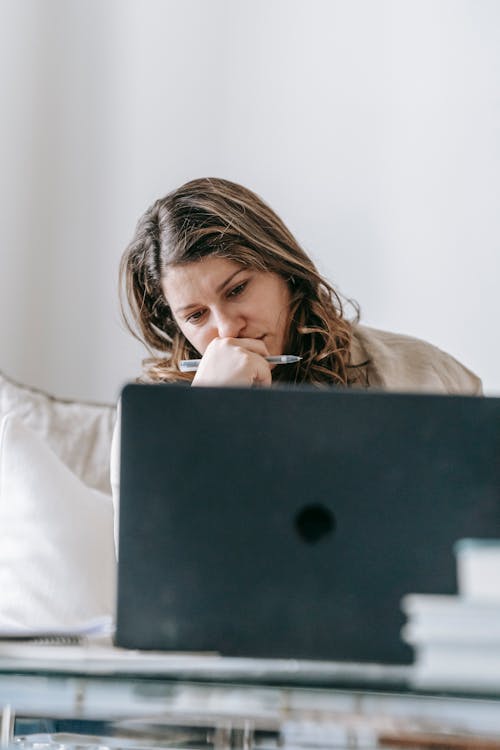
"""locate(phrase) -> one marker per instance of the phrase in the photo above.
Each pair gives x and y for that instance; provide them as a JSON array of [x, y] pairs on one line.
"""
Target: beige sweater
[[403, 363]]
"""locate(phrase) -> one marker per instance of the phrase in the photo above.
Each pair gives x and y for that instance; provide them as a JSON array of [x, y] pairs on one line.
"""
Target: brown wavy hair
[[212, 216]]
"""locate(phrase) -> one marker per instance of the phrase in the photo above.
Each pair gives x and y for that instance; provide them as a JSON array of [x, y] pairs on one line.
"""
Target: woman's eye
[[238, 289], [194, 317]]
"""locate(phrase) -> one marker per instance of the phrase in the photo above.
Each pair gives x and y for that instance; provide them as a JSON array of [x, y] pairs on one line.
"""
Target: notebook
[[289, 522]]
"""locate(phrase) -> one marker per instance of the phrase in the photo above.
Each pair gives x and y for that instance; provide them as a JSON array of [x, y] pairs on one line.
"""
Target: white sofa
[[57, 556]]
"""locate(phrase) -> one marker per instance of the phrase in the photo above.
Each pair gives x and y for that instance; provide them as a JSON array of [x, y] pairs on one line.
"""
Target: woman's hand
[[234, 362]]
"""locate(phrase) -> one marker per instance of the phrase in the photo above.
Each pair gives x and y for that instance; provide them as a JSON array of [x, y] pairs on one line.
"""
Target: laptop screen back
[[290, 522]]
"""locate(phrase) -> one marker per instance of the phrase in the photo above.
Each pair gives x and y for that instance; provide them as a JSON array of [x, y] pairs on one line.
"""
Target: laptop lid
[[290, 522]]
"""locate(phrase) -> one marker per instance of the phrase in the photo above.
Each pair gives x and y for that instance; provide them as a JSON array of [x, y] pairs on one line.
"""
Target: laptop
[[289, 522]]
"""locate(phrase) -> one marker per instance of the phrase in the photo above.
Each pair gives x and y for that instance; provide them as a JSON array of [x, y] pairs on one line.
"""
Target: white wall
[[371, 126]]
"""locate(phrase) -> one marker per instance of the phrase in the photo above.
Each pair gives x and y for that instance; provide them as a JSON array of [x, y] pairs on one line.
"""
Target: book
[[450, 618]]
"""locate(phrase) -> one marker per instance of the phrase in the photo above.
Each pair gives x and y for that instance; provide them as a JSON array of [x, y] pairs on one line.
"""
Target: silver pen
[[191, 365]]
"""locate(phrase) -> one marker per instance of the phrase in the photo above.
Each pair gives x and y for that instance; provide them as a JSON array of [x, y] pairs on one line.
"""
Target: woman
[[213, 273]]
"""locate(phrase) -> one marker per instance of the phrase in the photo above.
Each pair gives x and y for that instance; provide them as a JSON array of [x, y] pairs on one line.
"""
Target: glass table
[[95, 696]]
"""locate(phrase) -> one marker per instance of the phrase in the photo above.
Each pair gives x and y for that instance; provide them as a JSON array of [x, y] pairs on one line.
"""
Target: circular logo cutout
[[314, 522]]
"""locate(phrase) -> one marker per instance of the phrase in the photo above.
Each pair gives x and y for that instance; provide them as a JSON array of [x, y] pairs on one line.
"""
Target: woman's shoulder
[[405, 363]]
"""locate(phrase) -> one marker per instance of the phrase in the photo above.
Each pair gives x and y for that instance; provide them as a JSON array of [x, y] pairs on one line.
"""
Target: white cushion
[[78, 432], [57, 561]]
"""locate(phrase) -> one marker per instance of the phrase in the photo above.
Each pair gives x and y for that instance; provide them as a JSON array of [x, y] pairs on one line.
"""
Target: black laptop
[[290, 522]]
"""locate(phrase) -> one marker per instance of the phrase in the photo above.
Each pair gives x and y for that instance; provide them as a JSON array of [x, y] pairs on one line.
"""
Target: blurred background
[[372, 127]]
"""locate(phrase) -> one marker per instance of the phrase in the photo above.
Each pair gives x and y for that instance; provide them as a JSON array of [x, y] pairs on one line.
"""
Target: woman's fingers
[[234, 362], [252, 345]]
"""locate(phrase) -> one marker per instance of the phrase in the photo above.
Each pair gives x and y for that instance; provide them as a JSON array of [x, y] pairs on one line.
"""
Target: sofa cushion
[[57, 560], [78, 432]]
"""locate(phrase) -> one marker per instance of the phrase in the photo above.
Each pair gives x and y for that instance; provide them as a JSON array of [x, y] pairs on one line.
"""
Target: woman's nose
[[229, 325]]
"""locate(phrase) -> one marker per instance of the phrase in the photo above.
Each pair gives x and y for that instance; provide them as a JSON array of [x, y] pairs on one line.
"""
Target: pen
[[191, 365]]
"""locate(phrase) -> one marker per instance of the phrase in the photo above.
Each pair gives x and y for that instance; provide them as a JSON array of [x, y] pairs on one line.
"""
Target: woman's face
[[217, 298]]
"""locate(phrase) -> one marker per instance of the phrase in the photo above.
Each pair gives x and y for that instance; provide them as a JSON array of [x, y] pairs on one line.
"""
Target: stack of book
[[456, 639]]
